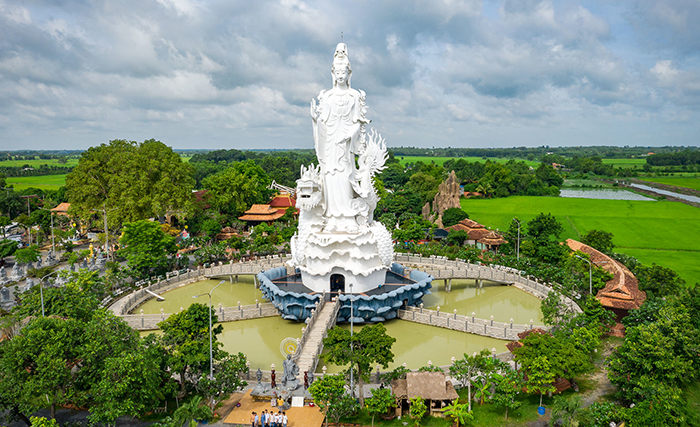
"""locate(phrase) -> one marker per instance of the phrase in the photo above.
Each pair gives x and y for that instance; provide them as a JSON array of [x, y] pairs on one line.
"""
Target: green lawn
[[681, 181], [46, 182], [441, 160], [665, 233], [38, 162]]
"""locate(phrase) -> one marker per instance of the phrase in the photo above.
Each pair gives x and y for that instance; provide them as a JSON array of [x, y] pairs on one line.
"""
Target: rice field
[[692, 182], [38, 162], [45, 182], [626, 163], [661, 232]]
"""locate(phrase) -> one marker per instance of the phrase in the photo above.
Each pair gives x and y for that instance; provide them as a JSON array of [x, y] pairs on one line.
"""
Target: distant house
[[479, 236], [61, 209]]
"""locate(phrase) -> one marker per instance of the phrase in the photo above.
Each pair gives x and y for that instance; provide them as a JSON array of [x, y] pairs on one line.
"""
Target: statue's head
[[341, 69], [309, 193]]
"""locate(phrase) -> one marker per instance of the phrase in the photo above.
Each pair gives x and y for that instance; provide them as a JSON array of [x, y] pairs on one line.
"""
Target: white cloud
[[241, 74]]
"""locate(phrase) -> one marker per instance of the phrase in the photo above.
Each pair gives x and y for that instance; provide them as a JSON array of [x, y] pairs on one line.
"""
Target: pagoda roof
[[283, 200], [492, 239], [262, 213]]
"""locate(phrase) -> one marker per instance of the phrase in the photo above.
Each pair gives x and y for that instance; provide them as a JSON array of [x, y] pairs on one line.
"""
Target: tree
[[4, 222], [227, 377], [131, 181], [186, 338], [658, 281], [131, 384], [459, 412], [564, 359], [27, 255], [43, 422], [188, 414], [369, 347], [381, 401], [457, 237], [548, 175], [233, 190], [147, 248], [540, 377], [566, 410], [507, 386], [452, 216], [468, 368], [663, 351], [544, 227], [598, 239], [417, 410], [35, 366], [330, 395], [7, 248], [66, 301]]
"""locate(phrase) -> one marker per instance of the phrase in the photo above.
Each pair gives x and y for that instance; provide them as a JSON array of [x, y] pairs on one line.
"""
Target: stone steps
[[311, 348]]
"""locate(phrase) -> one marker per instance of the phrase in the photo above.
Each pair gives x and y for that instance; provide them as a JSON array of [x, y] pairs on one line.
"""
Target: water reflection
[[417, 343], [228, 294], [503, 302]]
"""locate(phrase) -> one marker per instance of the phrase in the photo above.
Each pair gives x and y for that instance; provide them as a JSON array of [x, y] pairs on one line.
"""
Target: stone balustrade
[[147, 322], [470, 324]]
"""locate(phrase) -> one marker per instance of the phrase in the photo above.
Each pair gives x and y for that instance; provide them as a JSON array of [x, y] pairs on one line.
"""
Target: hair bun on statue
[[340, 58]]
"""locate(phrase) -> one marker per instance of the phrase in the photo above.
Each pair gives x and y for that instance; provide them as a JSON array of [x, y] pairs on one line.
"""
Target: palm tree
[[187, 414], [459, 412], [567, 410]]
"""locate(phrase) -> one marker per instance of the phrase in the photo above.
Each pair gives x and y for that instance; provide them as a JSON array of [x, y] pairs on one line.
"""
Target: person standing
[[254, 419], [284, 419]]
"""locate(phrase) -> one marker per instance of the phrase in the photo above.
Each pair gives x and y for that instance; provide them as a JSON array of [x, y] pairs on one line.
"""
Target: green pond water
[[228, 294], [503, 302], [417, 343], [260, 339]]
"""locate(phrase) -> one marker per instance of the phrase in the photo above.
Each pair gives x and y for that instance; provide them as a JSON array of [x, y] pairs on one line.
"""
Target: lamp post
[[518, 245], [590, 274], [41, 290], [211, 352], [352, 315]]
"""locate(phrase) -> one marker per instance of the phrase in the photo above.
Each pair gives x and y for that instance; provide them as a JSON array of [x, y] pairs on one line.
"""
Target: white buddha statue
[[339, 134]]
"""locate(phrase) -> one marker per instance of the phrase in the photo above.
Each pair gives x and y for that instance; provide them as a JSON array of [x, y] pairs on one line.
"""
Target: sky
[[437, 73]]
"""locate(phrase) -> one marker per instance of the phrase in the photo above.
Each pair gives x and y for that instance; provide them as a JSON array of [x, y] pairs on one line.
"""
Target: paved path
[[314, 343]]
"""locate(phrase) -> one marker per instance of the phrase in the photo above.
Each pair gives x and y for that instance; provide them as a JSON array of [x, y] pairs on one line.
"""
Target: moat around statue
[[340, 249]]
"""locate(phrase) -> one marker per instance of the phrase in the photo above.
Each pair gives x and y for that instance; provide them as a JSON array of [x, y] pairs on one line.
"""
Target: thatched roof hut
[[431, 386]]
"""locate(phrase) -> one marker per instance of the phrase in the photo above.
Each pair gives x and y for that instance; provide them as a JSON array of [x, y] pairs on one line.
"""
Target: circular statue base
[[295, 301]]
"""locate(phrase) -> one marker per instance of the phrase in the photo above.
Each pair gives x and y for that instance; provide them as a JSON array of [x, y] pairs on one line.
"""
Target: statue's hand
[[314, 109]]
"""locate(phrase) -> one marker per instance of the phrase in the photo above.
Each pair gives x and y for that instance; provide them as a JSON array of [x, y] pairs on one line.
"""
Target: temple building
[[269, 213], [479, 236]]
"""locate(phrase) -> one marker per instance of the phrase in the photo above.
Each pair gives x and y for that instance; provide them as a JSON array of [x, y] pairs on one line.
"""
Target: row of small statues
[[19, 271]]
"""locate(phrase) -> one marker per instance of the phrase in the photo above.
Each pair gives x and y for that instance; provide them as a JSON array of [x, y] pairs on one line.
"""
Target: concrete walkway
[[314, 344]]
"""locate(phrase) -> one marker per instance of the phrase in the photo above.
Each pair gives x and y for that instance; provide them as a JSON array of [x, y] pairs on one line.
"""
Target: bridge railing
[[310, 322], [466, 323], [146, 322], [178, 278]]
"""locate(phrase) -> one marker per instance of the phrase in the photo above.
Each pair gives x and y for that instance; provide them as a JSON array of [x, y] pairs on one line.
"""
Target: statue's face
[[341, 75]]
